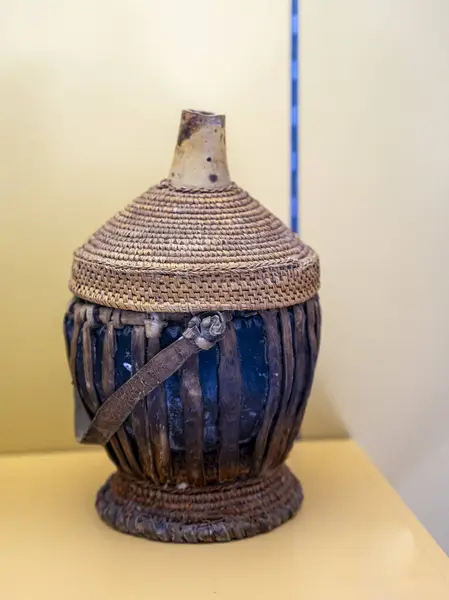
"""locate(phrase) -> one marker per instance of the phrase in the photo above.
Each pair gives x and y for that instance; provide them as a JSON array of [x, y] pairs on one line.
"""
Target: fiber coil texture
[[194, 249]]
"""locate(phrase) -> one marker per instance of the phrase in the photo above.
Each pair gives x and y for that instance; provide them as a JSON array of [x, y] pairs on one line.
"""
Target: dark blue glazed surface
[[251, 341]]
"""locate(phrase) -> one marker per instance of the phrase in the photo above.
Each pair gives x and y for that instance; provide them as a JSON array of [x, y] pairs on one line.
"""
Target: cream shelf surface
[[353, 538]]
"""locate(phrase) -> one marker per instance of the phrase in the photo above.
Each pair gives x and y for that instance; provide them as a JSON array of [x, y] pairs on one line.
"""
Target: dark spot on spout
[[213, 178], [208, 159], [189, 124]]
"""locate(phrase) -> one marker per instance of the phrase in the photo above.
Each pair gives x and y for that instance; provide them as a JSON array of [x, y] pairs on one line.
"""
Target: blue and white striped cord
[[294, 125]]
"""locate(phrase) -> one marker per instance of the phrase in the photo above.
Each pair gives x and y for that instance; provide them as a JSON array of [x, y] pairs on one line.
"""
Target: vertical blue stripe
[[294, 111]]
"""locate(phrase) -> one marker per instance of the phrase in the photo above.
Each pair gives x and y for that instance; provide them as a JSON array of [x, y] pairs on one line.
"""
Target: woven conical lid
[[196, 241]]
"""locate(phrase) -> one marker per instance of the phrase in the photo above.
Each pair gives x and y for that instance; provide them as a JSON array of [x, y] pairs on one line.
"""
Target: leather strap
[[201, 334]]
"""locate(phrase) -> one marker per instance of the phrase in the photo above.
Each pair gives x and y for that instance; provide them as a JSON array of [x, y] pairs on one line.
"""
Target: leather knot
[[154, 326], [207, 331]]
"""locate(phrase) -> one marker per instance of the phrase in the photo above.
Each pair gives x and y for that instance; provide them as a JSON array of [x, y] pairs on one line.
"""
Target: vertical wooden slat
[[279, 435], [312, 310], [308, 345], [158, 417], [302, 360], [79, 401], [77, 323], [81, 405], [230, 401], [317, 322], [67, 317], [192, 403], [139, 416], [91, 401], [127, 459], [274, 359]]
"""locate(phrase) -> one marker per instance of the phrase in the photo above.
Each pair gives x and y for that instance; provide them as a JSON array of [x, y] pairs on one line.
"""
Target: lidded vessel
[[192, 341]]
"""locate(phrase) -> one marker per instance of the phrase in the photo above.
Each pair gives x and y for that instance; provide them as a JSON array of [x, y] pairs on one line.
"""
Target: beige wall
[[91, 96], [375, 202]]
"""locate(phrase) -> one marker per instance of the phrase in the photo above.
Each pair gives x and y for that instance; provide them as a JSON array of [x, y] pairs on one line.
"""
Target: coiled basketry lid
[[195, 241]]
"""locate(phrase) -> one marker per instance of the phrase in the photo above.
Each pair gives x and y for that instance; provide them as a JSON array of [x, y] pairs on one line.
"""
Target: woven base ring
[[223, 513]]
